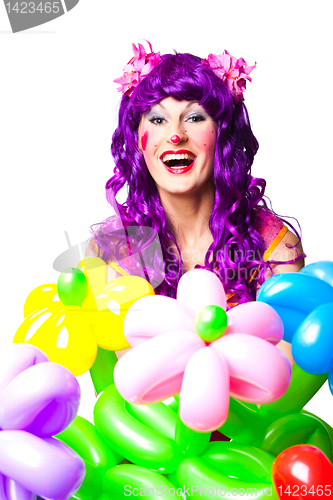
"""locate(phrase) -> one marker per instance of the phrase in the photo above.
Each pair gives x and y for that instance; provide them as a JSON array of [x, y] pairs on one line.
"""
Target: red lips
[[180, 170], [177, 152], [176, 170]]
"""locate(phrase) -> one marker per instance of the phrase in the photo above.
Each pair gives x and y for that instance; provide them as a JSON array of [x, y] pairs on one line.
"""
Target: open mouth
[[176, 161]]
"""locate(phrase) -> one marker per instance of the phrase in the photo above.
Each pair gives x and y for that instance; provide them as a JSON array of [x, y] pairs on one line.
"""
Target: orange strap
[[275, 242], [268, 252]]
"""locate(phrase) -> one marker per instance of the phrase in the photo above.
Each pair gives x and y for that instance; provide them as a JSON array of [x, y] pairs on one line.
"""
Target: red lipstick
[[177, 152], [178, 170]]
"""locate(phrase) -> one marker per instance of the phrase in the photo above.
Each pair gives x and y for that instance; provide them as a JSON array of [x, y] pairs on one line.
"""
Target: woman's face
[[177, 140]]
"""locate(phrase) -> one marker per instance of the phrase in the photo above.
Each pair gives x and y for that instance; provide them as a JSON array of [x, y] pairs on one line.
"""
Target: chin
[[180, 190]]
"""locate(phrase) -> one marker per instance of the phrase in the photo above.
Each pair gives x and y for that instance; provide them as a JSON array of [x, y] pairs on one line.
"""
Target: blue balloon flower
[[312, 344], [294, 296], [304, 302]]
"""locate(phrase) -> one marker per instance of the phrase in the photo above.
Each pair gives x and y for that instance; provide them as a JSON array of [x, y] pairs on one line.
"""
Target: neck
[[188, 215]]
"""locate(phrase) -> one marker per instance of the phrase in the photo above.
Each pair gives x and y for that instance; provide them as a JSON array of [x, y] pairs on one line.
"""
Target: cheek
[[206, 140], [144, 140], [150, 141]]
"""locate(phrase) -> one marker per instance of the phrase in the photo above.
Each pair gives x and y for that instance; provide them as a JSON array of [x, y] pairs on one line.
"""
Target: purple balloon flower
[[38, 399]]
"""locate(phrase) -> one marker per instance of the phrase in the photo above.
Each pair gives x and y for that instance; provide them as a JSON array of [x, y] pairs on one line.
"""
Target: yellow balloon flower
[[42, 296], [64, 336], [107, 303], [111, 306], [95, 270], [69, 335]]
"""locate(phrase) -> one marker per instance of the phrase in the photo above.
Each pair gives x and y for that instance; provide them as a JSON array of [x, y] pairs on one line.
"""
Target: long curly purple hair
[[235, 255]]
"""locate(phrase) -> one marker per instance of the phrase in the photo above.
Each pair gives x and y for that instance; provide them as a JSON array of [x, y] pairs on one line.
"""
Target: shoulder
[[265, 220], [91, 248], [289, 249], [279, 244], [271, 229]]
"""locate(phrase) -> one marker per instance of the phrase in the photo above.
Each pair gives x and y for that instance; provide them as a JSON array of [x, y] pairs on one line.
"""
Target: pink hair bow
[[137, 68], [233, 72]]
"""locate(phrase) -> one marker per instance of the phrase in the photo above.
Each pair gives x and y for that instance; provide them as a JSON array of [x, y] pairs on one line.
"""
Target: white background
[[58, 111]]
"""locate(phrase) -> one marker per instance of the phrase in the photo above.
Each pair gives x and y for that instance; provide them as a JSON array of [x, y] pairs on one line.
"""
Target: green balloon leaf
[[211, 323], [72, 287]]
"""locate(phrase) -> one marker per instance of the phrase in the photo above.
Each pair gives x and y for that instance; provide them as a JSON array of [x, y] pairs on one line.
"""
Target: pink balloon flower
[[38, 399], [170, 357]]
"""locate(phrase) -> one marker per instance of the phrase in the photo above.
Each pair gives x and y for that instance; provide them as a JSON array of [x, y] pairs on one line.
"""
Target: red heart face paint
[[144, 140]]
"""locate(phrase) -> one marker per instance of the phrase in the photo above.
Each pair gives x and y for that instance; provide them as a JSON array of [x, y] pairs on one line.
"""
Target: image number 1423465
[[25, 15]]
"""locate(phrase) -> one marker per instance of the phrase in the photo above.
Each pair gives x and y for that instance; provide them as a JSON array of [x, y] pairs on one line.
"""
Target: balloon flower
[[38, 399], [192, 346], [304, 301], [69, 320]]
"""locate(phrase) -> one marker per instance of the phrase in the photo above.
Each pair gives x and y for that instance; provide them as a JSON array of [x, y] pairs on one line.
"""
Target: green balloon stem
[[120, 481], [172, 403], [98, 457], [134, 439], [244, 423], [154, 416], [189, 442], [294, 429], [82, 436], [101, 371], [325, 424], [302, 388]]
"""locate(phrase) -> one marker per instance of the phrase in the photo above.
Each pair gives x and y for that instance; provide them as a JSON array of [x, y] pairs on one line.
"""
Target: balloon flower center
[[211, 323], [72, 287]]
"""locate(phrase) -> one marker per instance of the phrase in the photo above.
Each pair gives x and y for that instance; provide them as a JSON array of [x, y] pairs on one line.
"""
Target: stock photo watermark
[[26, 15], [183, 492]]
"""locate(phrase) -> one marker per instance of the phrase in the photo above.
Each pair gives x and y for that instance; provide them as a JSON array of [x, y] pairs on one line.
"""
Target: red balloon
[[303, 472]]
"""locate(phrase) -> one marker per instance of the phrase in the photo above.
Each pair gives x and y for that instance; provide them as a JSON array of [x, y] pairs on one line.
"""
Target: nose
[[175, 138], [177, 134]]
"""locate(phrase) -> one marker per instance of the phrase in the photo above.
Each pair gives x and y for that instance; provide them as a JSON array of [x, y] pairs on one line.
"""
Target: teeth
[[182, 156]]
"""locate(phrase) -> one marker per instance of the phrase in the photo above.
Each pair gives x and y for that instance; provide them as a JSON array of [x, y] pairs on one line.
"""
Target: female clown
[[184, 149]]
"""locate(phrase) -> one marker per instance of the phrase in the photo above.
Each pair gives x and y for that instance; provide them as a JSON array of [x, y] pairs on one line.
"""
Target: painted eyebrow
[[190, 104], [187, 105]]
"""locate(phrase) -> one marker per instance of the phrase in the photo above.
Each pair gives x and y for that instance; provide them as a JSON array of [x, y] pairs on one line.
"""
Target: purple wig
[[237, 248]]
